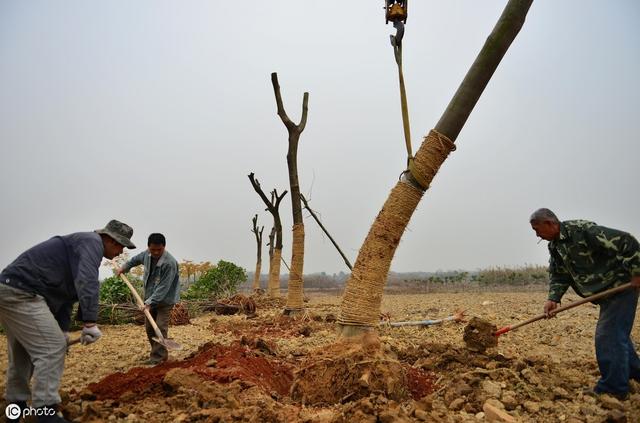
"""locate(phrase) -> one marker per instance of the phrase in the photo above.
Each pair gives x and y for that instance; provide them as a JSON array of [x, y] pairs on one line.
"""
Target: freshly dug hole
[[479, 335], [350, 370]]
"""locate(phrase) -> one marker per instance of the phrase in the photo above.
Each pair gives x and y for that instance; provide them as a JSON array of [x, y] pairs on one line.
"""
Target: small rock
[[456, 404], [610, 403], [531, 407], [491, 388], [421, 415], [530, 376], [87, 395], [509, 400], [559, 392], [616, 416], [495, 414], [423, 405], [547, 405], [462, 389]]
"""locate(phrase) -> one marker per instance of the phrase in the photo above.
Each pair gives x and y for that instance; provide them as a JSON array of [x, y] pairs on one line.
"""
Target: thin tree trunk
[[295, 286], [258, 234], [272, 206], [360, 307]]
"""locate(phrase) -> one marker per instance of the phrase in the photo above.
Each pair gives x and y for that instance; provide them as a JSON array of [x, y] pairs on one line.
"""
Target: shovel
[[166, 342], [563, 308]]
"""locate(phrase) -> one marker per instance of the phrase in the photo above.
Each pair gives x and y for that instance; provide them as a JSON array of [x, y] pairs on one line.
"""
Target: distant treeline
[[492, 278]]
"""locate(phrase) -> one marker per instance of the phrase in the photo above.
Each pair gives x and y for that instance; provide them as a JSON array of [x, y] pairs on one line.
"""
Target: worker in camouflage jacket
[[591, 258], [161, 290]]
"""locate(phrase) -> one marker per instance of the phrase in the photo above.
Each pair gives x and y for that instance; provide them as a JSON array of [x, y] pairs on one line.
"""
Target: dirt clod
[[479, 335]]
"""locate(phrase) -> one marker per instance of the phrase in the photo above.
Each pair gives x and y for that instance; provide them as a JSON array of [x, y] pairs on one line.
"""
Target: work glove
[[90, 334], [66, 338]]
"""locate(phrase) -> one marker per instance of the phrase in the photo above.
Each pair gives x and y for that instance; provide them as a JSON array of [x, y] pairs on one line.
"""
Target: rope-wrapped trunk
[[363, 292], [256, 276], [274, 273], [295, 295]]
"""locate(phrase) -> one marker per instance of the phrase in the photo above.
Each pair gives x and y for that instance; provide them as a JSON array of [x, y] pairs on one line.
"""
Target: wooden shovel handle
[[156, 329], [566, 307]]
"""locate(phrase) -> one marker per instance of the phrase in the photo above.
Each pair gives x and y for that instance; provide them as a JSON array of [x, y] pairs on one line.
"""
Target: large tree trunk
[[360, 307], [295, 293]]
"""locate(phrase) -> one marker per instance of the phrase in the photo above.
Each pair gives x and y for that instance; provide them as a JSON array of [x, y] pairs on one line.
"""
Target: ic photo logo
[[13, 411]]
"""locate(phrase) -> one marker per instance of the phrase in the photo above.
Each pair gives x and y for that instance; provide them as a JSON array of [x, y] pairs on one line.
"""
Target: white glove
[[90, 334], [66, 338]]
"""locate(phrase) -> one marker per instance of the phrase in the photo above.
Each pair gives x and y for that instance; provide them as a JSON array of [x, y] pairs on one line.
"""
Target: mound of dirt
[[211, 362], [479, 335], [350, 370]]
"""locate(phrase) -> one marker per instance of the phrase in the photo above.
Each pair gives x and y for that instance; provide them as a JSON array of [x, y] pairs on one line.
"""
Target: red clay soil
[[419, 382], [212, 362]]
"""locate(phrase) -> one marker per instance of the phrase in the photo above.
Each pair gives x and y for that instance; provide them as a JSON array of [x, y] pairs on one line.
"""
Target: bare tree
[[360, 307], [295, 286], [258, 234], [273, 204]]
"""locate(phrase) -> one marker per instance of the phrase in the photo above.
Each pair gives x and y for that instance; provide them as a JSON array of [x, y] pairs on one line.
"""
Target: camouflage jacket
[[590, 259]]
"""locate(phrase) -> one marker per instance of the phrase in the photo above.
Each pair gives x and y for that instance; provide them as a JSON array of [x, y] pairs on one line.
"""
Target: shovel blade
[[169, 344]]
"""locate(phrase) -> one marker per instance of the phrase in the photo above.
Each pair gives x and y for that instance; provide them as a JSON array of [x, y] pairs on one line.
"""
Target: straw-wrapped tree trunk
[[273, 286], [360, 307], [258, 234], [295, 286]]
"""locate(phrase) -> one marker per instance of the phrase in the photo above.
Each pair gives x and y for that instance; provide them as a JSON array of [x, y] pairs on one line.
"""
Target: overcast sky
[[154, 113]]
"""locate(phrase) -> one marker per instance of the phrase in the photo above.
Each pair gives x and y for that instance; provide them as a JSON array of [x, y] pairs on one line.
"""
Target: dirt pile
[[212, 362], [353, 369]]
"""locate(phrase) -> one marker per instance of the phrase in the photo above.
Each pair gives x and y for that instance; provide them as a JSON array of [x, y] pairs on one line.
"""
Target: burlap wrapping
[[432, 153], [274, 274], [363, 292], [295, 288]]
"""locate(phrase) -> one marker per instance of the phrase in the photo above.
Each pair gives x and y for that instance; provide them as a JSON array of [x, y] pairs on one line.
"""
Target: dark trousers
[[616, 354], [161, 313]]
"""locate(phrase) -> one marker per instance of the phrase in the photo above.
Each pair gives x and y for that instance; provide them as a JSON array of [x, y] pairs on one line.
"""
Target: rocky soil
[[274, 368]]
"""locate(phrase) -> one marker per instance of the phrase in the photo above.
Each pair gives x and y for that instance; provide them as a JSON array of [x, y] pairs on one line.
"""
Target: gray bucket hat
[[120, 232]]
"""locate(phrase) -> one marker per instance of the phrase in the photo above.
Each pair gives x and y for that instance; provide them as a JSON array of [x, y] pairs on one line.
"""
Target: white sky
[[154, 113]]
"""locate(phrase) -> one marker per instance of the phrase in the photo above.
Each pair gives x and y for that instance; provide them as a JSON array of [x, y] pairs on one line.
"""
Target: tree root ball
[[479, 335], [349, 370]]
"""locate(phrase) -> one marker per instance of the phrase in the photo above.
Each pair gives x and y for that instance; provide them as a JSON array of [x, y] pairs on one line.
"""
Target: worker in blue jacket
[[37, 294]]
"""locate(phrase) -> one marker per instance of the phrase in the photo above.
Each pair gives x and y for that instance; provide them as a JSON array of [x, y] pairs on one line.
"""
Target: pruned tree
[[295, 286], [273, 205], [360, 308], [258, 234]]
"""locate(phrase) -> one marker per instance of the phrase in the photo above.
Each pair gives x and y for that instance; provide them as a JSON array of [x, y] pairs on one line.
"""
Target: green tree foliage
[[114, 291], [221, 280]]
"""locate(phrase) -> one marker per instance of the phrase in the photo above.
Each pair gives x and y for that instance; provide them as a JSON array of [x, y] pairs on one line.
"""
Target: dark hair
[[157, 239]]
